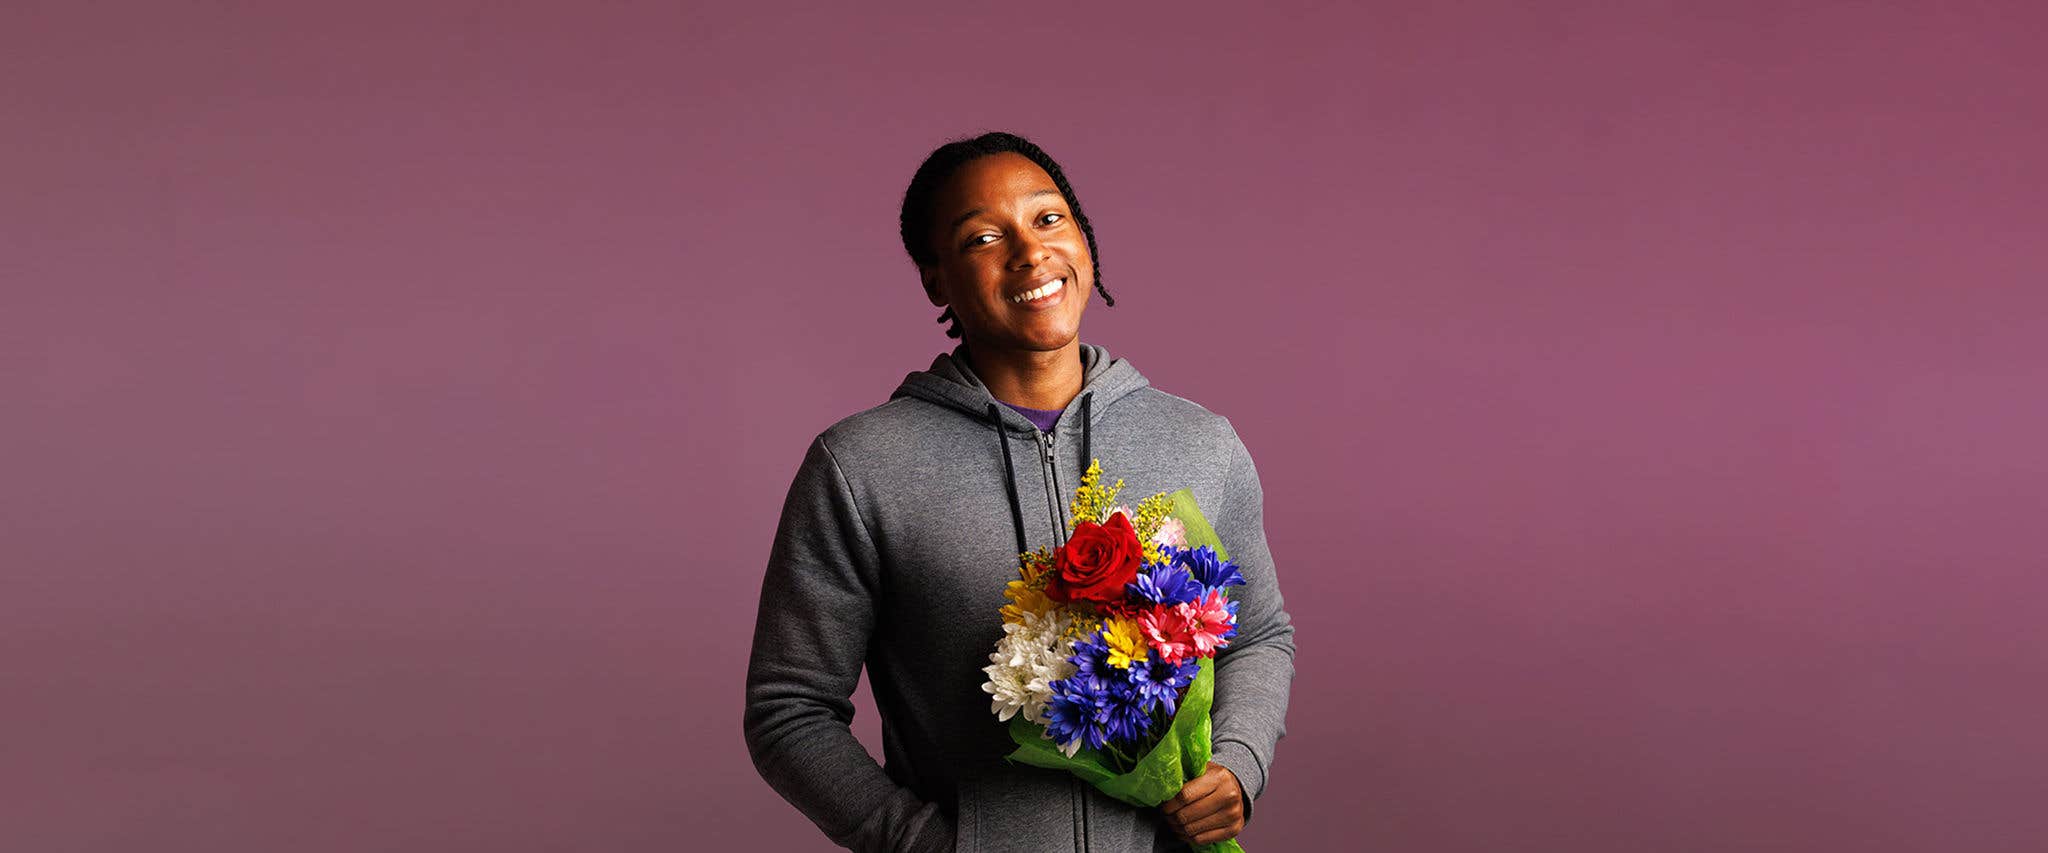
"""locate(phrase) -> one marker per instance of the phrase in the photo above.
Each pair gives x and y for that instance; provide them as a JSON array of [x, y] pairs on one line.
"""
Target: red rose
[[1096, 562]]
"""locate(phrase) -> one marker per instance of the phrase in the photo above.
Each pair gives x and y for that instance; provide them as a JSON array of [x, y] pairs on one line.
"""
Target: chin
[[1030, 342], [1049, 343]]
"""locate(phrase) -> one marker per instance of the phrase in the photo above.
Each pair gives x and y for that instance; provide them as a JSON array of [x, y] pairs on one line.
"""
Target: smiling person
[[904, 522]]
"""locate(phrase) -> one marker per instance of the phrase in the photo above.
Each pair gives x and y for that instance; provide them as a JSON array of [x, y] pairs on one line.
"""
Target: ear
[[929, 276]]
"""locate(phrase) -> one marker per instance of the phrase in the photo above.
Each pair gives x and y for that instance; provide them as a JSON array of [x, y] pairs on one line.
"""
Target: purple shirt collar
[[1041, 418]]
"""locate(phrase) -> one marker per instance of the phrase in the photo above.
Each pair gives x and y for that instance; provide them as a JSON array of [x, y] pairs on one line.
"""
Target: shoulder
[[901, 437], [875, 429], [1207, 434], [1182, 415], [895, 414]]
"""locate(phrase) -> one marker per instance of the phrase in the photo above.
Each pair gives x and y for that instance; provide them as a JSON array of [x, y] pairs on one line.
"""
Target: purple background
[[400, 397]]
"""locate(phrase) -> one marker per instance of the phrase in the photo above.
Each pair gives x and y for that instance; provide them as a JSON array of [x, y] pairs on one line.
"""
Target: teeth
[[1049, 289]]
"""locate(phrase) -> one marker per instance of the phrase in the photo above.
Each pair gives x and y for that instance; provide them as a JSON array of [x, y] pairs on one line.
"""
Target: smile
[[1049, 289]]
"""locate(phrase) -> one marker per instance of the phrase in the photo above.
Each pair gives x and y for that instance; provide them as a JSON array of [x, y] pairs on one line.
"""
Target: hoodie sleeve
[[810, 638], [1254, 672]]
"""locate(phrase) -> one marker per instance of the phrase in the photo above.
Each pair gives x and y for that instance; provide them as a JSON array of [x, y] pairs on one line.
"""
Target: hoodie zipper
[[1050, 464], [1052, 487]]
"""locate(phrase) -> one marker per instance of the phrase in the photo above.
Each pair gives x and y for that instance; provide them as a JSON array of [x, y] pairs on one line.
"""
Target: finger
[[1220, 819], [1189, 824], [1197, 791], [1196, 811], [1225, 803], [1179, 827], [1214, 836], [1194, 790], [1181, 820]]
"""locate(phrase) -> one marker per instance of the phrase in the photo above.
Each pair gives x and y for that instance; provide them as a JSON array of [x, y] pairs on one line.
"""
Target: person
[[904, 522]]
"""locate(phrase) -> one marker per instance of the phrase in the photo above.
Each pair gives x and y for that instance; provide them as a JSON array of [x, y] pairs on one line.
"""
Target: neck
[[1029, 378]]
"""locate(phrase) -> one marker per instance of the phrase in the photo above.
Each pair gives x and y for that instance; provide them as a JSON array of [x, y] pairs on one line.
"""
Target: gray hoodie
[[899, 532]]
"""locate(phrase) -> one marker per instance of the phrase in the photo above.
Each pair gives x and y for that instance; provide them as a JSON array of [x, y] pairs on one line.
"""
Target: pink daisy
[[1171, 532], [1166, 629], [1187, 630], [1208, 621]]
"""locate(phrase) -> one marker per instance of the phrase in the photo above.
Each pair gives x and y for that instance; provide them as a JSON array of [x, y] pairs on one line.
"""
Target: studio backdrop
[[399, 398]]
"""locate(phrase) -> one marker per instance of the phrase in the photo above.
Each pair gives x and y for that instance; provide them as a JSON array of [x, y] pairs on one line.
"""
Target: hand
[[1208, 809]]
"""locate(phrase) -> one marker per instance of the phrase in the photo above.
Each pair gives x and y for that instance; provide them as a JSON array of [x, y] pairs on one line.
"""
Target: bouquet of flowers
[[1105, 666]]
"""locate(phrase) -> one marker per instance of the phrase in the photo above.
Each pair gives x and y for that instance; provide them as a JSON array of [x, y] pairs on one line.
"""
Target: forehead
[[995, 181]]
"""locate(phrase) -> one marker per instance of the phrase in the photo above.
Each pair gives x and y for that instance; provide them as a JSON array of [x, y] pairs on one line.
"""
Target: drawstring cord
[[995, 419], [1085, 400]]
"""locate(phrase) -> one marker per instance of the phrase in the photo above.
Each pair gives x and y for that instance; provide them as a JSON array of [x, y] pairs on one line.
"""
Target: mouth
[[1045, 294]]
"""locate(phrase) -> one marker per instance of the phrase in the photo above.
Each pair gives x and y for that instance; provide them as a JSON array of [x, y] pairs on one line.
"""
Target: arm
[[1254, 672], [810, 637]]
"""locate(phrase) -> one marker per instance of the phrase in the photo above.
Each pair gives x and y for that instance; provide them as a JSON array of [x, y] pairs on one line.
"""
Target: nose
[[1031, 251]]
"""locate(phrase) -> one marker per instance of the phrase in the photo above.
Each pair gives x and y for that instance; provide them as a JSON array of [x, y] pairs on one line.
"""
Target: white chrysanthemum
[[1031, 656]]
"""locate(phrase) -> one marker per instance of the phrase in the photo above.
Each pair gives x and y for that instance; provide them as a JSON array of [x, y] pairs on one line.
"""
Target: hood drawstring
[[1085, 400], [995, 419]]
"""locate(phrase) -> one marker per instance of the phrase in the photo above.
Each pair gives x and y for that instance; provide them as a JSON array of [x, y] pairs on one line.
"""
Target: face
[[1002, 230]]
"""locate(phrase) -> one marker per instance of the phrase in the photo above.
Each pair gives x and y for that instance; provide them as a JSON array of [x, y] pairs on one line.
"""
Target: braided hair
[[940, 166]]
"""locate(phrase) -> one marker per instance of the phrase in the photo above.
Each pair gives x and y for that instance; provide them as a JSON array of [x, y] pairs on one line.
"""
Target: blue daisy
[[1078, 710], [1209, 570], [1164, 583], [1159, 683]]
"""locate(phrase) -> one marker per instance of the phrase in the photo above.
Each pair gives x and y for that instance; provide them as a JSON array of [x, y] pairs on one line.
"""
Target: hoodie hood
[[951, 382]]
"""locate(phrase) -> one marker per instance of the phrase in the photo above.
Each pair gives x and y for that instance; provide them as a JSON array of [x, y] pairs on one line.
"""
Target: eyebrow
[[978, 211]]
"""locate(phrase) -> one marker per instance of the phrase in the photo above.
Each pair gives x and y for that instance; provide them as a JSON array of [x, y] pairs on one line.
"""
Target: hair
[[939, 167]]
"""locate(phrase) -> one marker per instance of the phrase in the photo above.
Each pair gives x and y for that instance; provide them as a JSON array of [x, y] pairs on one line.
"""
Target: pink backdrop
[[400, 396]]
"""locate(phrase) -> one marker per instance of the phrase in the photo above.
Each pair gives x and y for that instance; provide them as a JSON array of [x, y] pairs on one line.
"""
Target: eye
[[976, 239], [1053, 216]]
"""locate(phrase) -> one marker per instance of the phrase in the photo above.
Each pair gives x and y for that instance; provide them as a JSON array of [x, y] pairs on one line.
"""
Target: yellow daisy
[[1125, 640]]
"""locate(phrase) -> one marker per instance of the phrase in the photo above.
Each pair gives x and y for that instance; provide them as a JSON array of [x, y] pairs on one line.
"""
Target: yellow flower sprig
[[1092, 500], [1035, 567], [1152, 512], [1026, 594]]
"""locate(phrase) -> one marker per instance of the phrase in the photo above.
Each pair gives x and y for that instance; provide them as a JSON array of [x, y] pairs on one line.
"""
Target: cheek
[[1086, 274], [980, 278], [1077, 251], [966, 283]]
